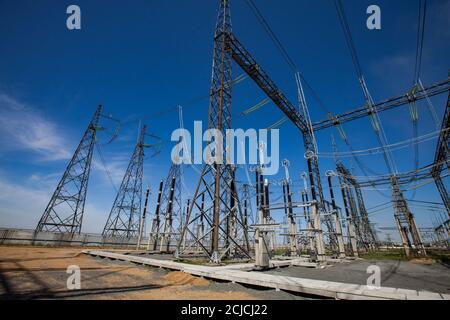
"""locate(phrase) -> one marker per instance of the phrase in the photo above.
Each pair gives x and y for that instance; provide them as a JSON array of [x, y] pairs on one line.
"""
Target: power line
[[374, 117], [102, 160], [393, 146], [420, 38], [290, 62]]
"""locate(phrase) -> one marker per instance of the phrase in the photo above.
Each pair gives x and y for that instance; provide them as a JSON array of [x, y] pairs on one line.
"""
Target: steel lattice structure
[[219, 189], [215, 198], [365, 234], [442, 156], [406, 223], [124, 218], [391, 103], [64, 212]]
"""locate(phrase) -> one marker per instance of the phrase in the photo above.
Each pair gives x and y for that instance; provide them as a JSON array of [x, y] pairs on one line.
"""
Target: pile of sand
[[425, 261], [181, 278]]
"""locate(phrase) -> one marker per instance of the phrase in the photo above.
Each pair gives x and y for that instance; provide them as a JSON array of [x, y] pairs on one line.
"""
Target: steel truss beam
[[404, 99], [246, 61], [442, 156]]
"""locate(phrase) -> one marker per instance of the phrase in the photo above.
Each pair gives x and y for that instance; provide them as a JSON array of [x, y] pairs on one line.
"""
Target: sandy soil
[[40, 273]]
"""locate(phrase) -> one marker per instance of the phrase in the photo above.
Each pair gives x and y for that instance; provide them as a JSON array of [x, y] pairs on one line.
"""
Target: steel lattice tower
[[217, 180], [124, 218], [64, 212]]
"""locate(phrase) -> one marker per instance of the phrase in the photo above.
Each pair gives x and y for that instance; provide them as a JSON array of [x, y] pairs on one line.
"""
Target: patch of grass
[[442, 256], [193, 261], [393, 254], [281, 251]]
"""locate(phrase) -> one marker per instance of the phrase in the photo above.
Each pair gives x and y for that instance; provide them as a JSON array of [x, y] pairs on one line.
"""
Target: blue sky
[[141, 57]]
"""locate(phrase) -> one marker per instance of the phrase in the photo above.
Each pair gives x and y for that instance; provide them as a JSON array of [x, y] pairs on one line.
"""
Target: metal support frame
[[405, 220], [244, 59], [217, 179], [292, 225], [353, 246], [123, 220], [64, 212], [226, 49], [363, 229], [168, 230], [143, 219], [442, 157], [156, 221], [337, 219], [404, 99]]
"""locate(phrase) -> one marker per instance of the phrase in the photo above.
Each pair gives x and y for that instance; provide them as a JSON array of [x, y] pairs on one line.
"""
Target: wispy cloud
[[23, 204], [23, 128], [112, 170]]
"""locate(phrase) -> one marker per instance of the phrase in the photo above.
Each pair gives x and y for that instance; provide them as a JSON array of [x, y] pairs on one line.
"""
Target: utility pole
[[154, 231], [307, 214], [168, 227], [292, 226], [64, 212], [337, 219], [142, 224]]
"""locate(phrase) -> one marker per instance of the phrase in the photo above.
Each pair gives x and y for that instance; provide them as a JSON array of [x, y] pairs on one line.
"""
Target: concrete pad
[[234, 273]]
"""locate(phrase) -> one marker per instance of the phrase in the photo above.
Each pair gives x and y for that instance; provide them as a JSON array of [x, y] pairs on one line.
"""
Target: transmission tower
[[217, 180], [124, 218], [64, 212]]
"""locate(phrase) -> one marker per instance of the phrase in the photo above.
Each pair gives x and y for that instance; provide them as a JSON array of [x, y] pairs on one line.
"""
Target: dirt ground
[[40, 273]]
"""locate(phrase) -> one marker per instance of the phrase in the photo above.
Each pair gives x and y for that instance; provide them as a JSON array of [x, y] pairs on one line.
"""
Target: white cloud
[[22, 206], [114, 169], [25, 129]]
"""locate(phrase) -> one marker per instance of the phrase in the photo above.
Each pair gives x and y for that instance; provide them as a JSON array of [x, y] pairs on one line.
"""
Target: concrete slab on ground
[[330, 289]]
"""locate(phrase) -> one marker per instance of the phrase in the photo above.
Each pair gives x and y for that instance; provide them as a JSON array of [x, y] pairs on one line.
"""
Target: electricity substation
[[229, 229]]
